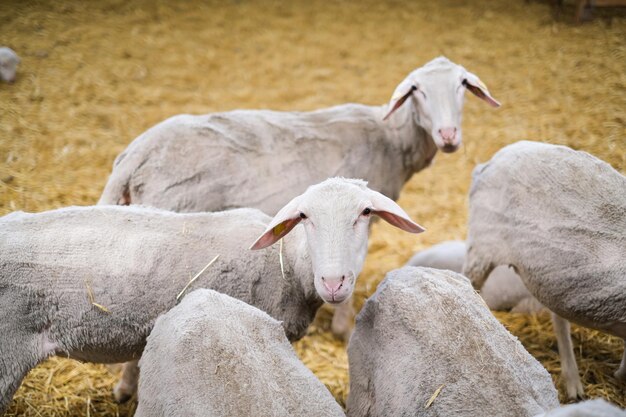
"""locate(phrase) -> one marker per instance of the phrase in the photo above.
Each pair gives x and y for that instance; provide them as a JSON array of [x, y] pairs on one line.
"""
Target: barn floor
[[94, 75]]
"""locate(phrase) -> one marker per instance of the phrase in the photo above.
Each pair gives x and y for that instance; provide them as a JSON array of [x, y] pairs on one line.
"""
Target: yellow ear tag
[[397, 96], [482, 85], [278, 229]]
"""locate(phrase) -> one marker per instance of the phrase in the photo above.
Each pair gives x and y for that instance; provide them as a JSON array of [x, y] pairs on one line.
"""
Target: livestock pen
[[95, 75]]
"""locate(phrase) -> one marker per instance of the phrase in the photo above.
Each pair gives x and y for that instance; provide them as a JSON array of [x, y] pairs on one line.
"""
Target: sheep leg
[[569, 369], [21, 352], [127, 386], [477, 267], [621, 372], [343, 320], [13, 369], [528, 305]]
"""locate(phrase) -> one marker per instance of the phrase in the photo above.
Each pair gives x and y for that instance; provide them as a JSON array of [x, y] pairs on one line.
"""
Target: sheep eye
[[302, 215], [367, 211]]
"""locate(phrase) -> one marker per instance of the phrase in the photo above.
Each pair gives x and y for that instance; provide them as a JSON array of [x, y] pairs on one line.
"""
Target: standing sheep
[[8, 64], [259, 158], [503, 290], [216, 356], [425, 344], [226, 160], [559, 217], [88, 282]]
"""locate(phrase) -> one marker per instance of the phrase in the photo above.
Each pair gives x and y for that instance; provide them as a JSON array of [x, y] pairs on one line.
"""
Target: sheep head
[[335, 215], [436, 93]]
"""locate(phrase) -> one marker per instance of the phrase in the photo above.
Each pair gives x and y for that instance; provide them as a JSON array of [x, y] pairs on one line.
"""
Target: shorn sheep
[[503, 290], [558, 216], [8, 64], [425, 344], [88, 282], [259, 158], [215, 356]]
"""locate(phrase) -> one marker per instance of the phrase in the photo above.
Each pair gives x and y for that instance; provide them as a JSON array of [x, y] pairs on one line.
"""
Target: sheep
[[591, 408], [213, 355], [226, 160], [445, 255], [503, 290], [559, 217], [425, 344], [180, 163], [88, 282], [8, 64]]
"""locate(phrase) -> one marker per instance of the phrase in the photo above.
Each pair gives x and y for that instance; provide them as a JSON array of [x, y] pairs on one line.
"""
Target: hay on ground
[[94, 75]]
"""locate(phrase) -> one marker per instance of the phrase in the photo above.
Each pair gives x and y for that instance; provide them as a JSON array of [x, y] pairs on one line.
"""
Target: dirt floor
[[94, 75]]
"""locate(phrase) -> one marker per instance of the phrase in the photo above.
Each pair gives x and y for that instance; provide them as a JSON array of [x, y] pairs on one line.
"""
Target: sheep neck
[[414, 144], [296, 254]]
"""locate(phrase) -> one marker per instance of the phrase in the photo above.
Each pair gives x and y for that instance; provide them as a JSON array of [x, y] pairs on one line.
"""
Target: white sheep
[[214, 356], [8, 64], [591, 408], [257, 158], [503, 290], [558, 216], [88, 282], [424, 344]]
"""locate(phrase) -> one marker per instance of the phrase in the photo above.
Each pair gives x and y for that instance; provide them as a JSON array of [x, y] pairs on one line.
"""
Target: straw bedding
[[94, 75]]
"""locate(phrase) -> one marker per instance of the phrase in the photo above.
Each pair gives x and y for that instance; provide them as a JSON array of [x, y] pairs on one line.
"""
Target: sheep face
[[436, 93], [8, 64], [335, 215]]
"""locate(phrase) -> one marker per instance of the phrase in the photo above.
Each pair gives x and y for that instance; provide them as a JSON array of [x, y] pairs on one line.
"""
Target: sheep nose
[[448, 134], [333, 285]]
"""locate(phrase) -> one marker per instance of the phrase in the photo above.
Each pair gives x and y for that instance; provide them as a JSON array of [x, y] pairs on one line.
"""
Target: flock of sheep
[[180, 265]]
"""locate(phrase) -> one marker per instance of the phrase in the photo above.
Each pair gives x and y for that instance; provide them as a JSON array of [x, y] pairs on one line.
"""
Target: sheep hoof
[[123, 392], [343, 334], [575, 391]]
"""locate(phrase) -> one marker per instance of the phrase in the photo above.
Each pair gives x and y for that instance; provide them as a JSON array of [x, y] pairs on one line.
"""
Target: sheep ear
[[285, 220], [473, 84], [402, 93], [388, 210]]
